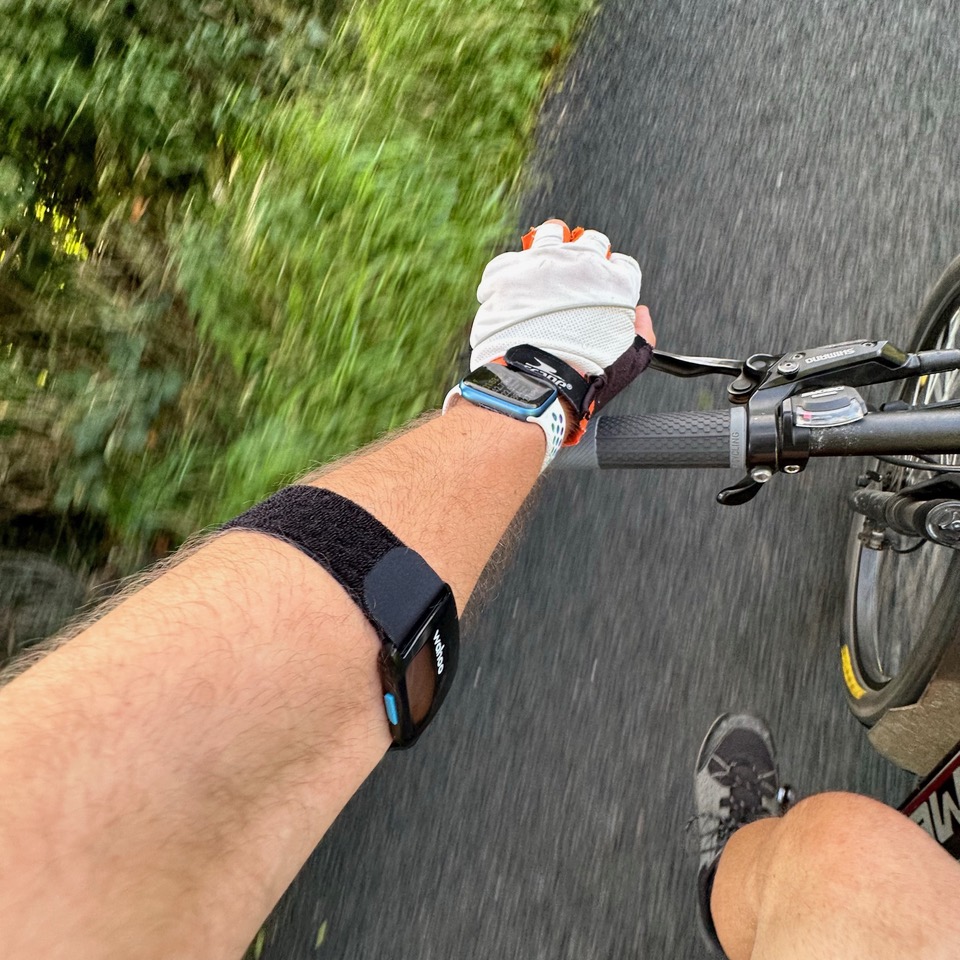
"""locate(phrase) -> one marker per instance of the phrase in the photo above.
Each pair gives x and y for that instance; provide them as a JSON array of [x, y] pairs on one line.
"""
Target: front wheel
[[903, 595]]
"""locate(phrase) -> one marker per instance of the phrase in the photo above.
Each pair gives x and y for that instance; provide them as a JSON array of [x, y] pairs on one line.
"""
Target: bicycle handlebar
[[704, 438], [889, 434], [719, 438]]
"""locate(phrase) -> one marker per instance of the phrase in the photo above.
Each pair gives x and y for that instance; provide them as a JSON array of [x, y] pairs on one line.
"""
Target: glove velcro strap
[[572, 384], [621, 373], [585, 394]]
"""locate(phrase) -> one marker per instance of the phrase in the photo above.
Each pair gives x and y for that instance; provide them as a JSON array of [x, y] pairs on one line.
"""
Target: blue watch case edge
[[483, 398]]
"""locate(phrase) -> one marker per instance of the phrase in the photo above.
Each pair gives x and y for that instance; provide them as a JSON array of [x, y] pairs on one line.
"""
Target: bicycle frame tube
[[935, 804]]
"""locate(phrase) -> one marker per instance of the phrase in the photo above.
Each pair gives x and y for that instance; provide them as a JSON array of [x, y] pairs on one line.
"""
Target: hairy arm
[[166, 773]]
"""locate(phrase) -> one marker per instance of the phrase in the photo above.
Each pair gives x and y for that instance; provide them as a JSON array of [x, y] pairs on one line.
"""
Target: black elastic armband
[[411, 608]]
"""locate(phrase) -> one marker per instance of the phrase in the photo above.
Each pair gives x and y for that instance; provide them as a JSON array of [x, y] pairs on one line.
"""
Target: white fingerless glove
[[574, 299]]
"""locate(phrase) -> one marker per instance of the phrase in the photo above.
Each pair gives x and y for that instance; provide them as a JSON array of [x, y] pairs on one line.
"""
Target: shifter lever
[[742, 492]]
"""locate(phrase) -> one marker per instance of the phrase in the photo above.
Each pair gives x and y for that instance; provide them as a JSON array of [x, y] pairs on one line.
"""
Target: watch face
[[502, 382], [421, 679], [419, 673]]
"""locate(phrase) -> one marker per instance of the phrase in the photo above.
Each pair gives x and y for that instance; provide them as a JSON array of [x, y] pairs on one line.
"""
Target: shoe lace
[[705, 833], [748, 788]]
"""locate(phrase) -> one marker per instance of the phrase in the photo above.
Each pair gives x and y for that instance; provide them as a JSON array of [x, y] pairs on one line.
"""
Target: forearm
[[442, 492], [167, 772]]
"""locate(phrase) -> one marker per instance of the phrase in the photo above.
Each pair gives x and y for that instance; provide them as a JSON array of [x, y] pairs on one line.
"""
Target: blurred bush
[[240, 237]]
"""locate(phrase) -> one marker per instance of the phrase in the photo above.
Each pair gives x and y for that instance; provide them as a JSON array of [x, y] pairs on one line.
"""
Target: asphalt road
[[786, 176]]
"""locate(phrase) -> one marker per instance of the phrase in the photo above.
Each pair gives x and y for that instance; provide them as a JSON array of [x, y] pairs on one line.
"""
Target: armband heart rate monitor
[[413, 611], [416, 616]]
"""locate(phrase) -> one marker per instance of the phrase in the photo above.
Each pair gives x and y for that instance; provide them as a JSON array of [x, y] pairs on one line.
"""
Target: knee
[[839, 836], [835, 814]]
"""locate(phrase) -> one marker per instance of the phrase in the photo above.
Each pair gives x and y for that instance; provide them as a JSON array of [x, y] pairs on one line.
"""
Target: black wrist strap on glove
[[621, 373], [572, 384], [585, 394]]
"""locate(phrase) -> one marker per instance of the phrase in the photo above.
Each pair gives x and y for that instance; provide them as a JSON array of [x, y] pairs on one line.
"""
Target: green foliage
[[112, 115], [14, 199], [265, 223], [358, 221], [97, 94]]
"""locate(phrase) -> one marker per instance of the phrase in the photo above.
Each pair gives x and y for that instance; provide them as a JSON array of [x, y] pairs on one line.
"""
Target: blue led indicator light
[[390, 702]]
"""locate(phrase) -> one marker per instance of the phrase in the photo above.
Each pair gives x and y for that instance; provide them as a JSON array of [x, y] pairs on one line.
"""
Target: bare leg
[[840, 877]]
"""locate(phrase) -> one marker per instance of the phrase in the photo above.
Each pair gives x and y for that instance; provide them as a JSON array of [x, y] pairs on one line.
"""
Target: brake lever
[[680, 366], [748, 374]]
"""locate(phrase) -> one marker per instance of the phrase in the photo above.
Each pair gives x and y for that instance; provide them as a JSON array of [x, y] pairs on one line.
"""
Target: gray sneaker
[[735, 783]]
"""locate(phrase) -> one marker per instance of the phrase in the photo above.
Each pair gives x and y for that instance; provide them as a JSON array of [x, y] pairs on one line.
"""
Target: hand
[[565, 293]]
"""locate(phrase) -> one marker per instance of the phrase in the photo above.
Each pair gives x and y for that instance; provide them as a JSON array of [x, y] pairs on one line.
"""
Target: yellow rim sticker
[[855, 689]]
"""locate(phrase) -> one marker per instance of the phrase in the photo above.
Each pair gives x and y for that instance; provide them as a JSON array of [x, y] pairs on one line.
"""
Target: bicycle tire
[[871, 689]]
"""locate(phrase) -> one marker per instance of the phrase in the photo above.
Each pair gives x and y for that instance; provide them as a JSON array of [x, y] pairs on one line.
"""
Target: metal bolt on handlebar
[[871, 537], [871, 476], [761, 474], [791, 468]]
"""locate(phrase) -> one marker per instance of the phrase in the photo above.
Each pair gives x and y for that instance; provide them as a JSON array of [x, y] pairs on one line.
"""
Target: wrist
[[488, 459], [525, 436], [516, 395]]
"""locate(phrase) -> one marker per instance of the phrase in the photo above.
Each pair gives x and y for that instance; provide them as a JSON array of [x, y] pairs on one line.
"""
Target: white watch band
[[553, 422]]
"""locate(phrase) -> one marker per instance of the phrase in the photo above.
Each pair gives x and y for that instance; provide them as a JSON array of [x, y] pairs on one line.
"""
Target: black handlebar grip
[[707, 438]]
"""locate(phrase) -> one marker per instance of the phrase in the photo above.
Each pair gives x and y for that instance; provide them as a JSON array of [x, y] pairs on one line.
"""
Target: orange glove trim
[[526, 241]]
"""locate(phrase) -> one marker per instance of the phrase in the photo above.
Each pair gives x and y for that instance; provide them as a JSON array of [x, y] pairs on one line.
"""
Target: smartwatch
[[579, 391], [519, 395], [410, 607]]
